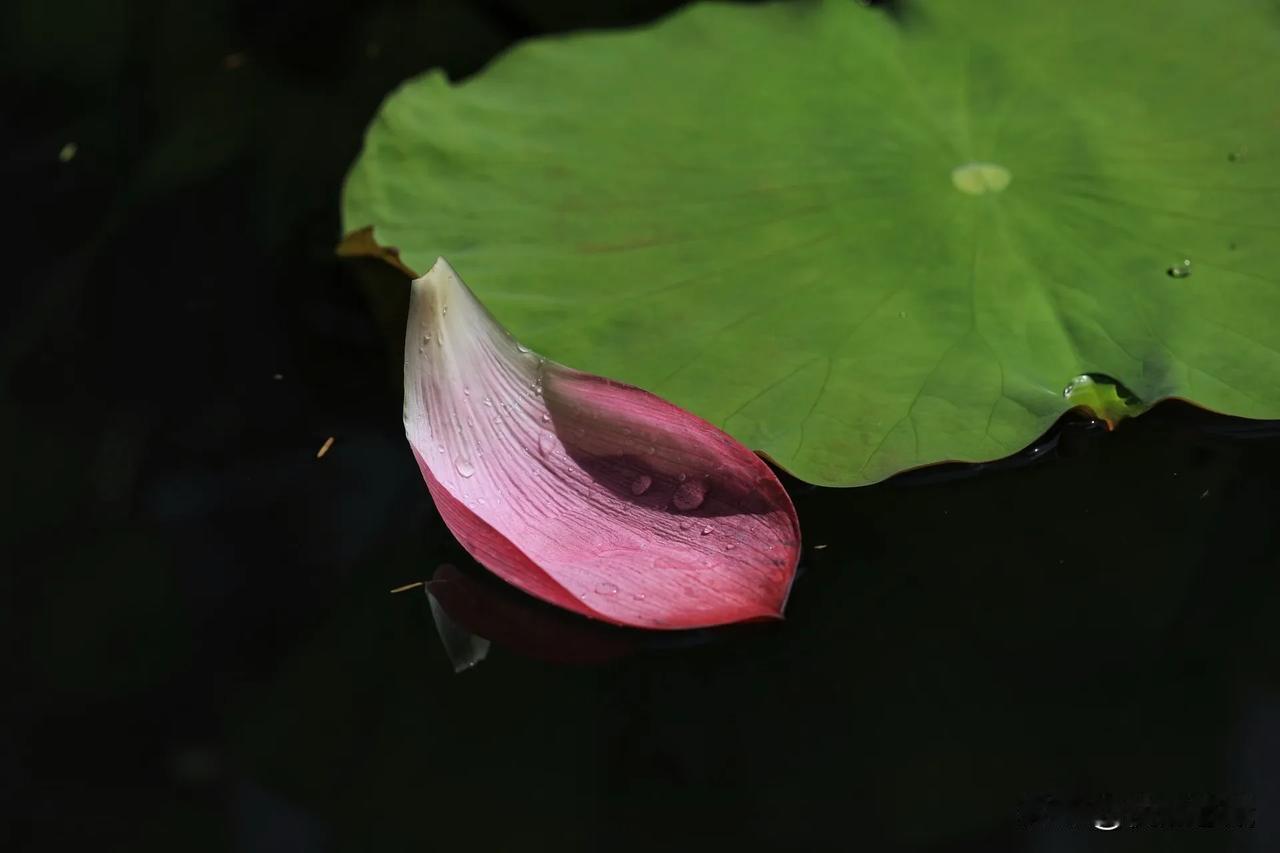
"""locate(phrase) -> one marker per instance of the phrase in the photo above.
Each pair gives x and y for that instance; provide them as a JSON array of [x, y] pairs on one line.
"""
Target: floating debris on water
[[68, 152], [324, 448]]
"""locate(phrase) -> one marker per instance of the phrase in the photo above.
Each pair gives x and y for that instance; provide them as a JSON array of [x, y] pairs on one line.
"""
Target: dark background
[[205, 656]]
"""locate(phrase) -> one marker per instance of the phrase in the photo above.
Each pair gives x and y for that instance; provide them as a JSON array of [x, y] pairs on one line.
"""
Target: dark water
[[206, 656]]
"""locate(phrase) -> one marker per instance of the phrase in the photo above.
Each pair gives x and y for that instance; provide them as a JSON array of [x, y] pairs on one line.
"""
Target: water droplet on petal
[[464, 466], [606, 588], [686, 524], [466, 392], [641, 484], [488, 402], [638, 596], [522, 348], [426, 339], [1180, 270], [546, 419], [730, 546], [689, 495], [546, 443], [439, 448], [706, 530]]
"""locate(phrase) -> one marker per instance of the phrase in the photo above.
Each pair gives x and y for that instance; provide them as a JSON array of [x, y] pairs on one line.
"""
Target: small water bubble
[[546, 443], [464, 466], [1076, 384], [606, 588], [689, 495], [641, 484], [1181, 270], [706, 530]]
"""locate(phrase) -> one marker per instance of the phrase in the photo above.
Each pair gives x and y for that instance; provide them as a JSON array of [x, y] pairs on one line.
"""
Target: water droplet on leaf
[[1182, 270]]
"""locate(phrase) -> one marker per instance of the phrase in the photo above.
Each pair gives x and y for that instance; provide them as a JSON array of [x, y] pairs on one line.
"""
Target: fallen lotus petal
[[590, 494]]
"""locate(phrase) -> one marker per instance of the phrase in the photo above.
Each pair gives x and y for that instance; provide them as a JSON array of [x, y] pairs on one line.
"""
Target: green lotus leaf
[[863, 242]]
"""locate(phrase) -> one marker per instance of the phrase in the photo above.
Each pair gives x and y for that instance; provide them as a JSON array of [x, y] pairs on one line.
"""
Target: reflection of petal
[[464, 647], [528, 627], [582, 491]]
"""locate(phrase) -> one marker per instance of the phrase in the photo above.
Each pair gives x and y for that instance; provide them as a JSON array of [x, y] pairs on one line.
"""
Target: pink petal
[[585, 492]]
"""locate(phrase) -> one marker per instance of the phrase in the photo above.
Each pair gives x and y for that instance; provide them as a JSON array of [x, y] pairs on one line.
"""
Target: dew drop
[[444, 310], [1076, 384], [730, 546], [606, 588], [1182, 270], [546, 419], [439, 448], [641, 484], [466, 392], [902, 315], [488, 401], [426, 339], [638, 596], [522, 347], [464, 466], [686, 524], [706, 530], [546, 443], [689, 495]]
